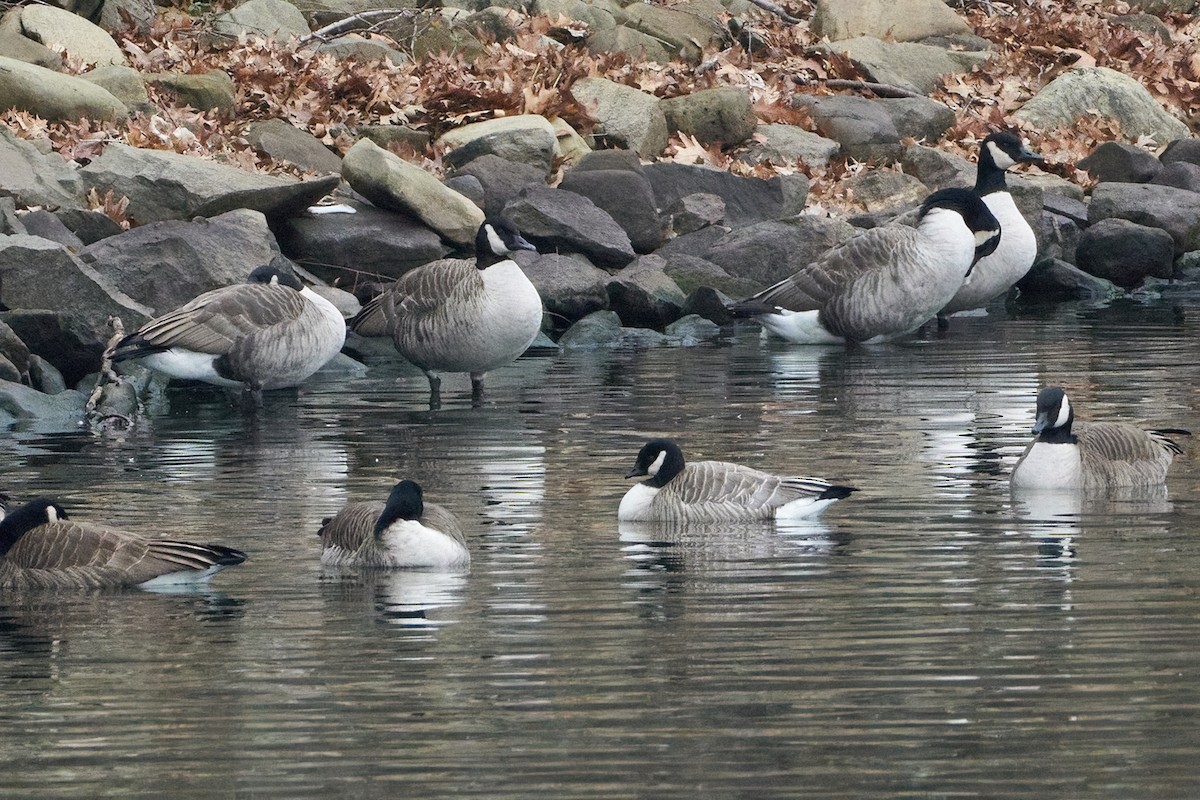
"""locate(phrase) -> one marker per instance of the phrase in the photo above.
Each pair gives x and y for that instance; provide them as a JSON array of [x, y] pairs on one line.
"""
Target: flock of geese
[[472, 316]]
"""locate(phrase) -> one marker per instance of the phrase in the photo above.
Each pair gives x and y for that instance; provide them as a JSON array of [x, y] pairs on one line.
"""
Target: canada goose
[[268, 333], [1090, 455], [717, 491], [403, 532], [40, 548], [995, 274], [461, 315], [883, 283], [4, 499]]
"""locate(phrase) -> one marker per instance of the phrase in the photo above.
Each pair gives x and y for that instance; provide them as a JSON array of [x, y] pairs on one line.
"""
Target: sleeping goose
[[40, 548], [461, 315], [995, 274], [884, 282], [1090, 455], [268, 333], [403, 532], [717, 491]]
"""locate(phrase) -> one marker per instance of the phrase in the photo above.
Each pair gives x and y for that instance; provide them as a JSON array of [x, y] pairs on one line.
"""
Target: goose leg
[[435, 390], [476, 388]]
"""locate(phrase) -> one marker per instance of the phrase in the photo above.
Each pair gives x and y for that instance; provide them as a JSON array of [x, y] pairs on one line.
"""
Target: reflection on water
[[931, 636]]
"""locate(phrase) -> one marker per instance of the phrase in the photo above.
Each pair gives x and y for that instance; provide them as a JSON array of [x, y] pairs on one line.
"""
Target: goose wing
[[351, 526], [839, 268], [418, 298], [723, 490], [215, 321], [1117, 454], [441, 519]]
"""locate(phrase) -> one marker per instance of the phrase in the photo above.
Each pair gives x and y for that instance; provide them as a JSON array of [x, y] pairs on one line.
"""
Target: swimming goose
[[884, 282], [1090, 455], [40, 548], [403, 532], [995, 274], [461, 315], [268, 333], [717, 491]]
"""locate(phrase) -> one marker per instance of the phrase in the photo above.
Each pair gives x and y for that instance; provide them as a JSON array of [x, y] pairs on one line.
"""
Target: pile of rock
[[627, 248]]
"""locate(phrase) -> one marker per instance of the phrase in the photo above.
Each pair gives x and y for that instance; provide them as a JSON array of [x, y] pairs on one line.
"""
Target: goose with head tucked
[[996, 273], [42, 548], [1091, 455], [883, 283], [268, 333], [405, 532], [717, 491], [461, 315]]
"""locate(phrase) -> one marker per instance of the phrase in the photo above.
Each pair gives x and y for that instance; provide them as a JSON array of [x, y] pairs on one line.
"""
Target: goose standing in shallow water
[[40, 548], [717, 491], [1090, 455], [995, 274], [268, 333], [403, 532], [461, 315], [884, 282]]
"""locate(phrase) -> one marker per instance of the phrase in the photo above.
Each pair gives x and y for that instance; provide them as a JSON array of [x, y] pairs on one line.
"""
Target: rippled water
[[930, 637]]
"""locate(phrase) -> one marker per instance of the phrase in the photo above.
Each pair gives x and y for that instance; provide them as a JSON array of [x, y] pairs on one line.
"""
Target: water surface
[[930, 637]]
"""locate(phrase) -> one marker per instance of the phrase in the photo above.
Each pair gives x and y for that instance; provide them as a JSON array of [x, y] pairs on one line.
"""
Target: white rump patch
[[800, 327]]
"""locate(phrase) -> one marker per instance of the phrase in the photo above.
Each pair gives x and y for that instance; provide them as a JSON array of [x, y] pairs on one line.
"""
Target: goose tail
[[1163, 435], [837, 492], [748, 309]]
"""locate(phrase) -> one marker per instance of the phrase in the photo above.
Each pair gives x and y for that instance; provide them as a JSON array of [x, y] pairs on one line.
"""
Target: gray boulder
[[20, 47], [203, 91], [560, 221], [124, 83], [354, 46], [628, 118], [1176, 211], [787, 145], [392, 183], [53, 95], [709, 303], [721, 116], [644, 296], [1056, 280], [36, 179], [1125, 253], [523, 139], [1179, 174], [347, 248], [902, 21], [937, 169], [861, 127], [15, 352], [388, 136], [163, 265], [28, 409], [916, 67], [1121, 161], [918, 117], [164, 185], [276, 19], [1058, 234], [628, 198], [682, 31], [747, 200], [636, 45], [597, 17], [60, 30], [884, 189], [598, 329], [88, 226], [44, 377], [499, 180], [67, 340], [691, 273], [570, 286], [691, 330], [1087, 90], [48, 226], [692, 212], [771, 251], [280, 140], [1182, 150]]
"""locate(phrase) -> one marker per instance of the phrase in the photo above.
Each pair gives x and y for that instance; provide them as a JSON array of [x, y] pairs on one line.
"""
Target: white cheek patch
[[495, 242], [653, 469], [51, 514], [983, 237], [1064, 413], [1002, 159]]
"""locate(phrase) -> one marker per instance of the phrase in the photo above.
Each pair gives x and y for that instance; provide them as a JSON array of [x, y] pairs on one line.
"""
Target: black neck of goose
[[485, 258], [989, 178], [16, 525], [672, 465], [401, 504], [1060, 435]]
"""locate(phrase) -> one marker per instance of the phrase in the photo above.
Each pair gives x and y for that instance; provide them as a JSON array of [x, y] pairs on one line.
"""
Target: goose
[[461, 315], [268, 333], [884, 282], [403, 532], [995, 274], [41, 548], [717, 491], [1090, 455]]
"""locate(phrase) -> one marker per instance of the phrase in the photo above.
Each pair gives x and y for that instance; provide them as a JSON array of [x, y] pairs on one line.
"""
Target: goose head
[[496, 240], [404, 503], [997, 153], [974, 214], [1054, 414], [269, 274], [20, 521], [660, 460]]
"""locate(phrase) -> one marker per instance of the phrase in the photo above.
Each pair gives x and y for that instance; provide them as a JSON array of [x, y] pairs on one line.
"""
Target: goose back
[[348, 538]]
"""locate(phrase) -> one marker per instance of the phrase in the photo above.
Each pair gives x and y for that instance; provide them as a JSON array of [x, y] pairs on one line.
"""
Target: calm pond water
[[930, 637]]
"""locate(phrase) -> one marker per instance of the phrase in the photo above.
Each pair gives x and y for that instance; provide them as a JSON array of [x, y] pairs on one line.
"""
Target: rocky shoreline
[[633, 248]]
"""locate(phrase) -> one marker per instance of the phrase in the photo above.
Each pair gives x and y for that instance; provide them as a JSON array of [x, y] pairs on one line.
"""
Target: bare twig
[[365, 18], [881, 89], [767, 5]]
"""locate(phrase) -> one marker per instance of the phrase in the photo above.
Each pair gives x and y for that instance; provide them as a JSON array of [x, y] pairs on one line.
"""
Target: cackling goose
[[461, 315], [884, 282], [40, 548], [1090, 455], [717, 491], [403, 532], [995, 274], [265, 334]]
